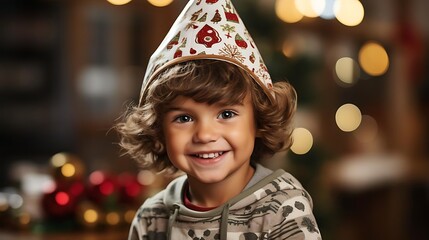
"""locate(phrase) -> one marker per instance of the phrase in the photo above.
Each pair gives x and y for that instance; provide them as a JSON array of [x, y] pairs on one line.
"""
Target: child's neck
[[215, 194]]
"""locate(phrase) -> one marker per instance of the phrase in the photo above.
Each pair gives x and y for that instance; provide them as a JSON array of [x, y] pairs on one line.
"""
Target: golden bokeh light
[[349, 12], [90, 216], [347, 70], [348, 117], [113, 218], [288, 49], [119, 2], [286, 11], [68, 170], [310, 8], [129, 216], [160, 3], [302, 141], [24, 219], [374, 59]]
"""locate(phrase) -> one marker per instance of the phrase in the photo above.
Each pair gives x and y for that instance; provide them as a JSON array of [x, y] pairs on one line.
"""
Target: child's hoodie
[[273, 205]]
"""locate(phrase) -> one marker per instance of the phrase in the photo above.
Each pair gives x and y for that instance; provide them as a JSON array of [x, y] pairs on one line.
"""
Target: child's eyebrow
[[175, 108]]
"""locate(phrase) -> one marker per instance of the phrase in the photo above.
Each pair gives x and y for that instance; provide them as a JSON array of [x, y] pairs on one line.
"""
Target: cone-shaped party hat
[[208, 29]]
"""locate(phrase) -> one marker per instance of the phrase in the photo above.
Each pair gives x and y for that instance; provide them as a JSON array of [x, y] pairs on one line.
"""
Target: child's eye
[[227, 114], [183, 119]]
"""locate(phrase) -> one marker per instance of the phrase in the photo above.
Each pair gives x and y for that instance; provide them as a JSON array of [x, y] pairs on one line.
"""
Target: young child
[[208, 108]]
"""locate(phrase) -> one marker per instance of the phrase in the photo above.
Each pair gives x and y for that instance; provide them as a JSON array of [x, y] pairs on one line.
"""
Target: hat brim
[[175, 61]]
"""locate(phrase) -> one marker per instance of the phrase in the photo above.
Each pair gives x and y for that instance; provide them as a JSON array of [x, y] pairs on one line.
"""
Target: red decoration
[[130, 190], [174, 41], [230, 15], [208, 36], [240, 41], [101, 186], [59, 204], [178, 53]]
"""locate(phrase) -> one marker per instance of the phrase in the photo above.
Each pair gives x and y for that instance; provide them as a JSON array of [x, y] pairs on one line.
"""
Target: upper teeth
[[209, 155]]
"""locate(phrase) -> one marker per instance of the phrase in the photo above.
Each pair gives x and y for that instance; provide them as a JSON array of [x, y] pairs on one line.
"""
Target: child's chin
[[210, 178]]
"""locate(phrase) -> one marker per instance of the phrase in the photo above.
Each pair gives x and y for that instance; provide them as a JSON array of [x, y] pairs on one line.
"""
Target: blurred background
[[69, 69]]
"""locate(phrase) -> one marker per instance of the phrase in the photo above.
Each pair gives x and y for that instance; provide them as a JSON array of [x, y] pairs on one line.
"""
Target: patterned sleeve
[[294, 219], [138, 227]]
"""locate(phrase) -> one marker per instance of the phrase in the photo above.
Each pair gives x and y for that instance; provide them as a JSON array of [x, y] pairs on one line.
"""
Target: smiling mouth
[[209, 155]]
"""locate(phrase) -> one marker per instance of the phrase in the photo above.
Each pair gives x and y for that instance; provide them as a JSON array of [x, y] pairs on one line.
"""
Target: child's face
[[210, 143]]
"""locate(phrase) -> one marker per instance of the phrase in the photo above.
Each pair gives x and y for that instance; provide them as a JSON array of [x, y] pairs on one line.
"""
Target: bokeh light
[[310, 8], [96, 177], [24, 219], [373, 59], [68, 170], [368, 130], [288, 49], [129, 215], [59, 159], [160, 3], [90, 216], [286, 11], [302, 141], [15, 201], [146, 177], [349, 12], [62, 198], [348, 117], [4, 205], [328, 12], [107, 188], [119, 2], [347, 70], [113, 218]]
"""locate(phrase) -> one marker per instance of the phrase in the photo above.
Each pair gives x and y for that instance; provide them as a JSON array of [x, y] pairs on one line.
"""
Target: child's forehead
[[182, 99]]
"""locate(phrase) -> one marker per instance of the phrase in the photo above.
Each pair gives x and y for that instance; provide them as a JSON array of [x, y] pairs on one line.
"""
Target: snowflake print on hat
[[208, 29]]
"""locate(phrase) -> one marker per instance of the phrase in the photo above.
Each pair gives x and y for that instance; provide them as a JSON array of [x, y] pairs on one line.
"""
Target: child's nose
[[205, 132]]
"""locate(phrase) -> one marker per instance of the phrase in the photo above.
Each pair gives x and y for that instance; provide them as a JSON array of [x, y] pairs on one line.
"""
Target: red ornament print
[[173, 41], [208, 36], [178, 53], [240, 41]]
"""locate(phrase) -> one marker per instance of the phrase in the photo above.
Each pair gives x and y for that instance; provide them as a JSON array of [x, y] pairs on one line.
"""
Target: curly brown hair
[[212, 82]]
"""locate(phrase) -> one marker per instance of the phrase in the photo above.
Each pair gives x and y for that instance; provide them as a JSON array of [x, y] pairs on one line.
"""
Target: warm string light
[[302, 141], [113, 218], [348, 117], [347, 71], [119, 2], [374, 59], [160, 3], [348, 12], [287, 11]]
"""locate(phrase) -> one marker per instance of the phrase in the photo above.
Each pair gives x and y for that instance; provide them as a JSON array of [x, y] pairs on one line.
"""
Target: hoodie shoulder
[[159, 203], [279, 184], [288, 186]]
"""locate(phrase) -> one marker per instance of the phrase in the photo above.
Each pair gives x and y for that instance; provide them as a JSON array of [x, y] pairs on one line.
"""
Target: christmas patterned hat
[[208, 29]]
